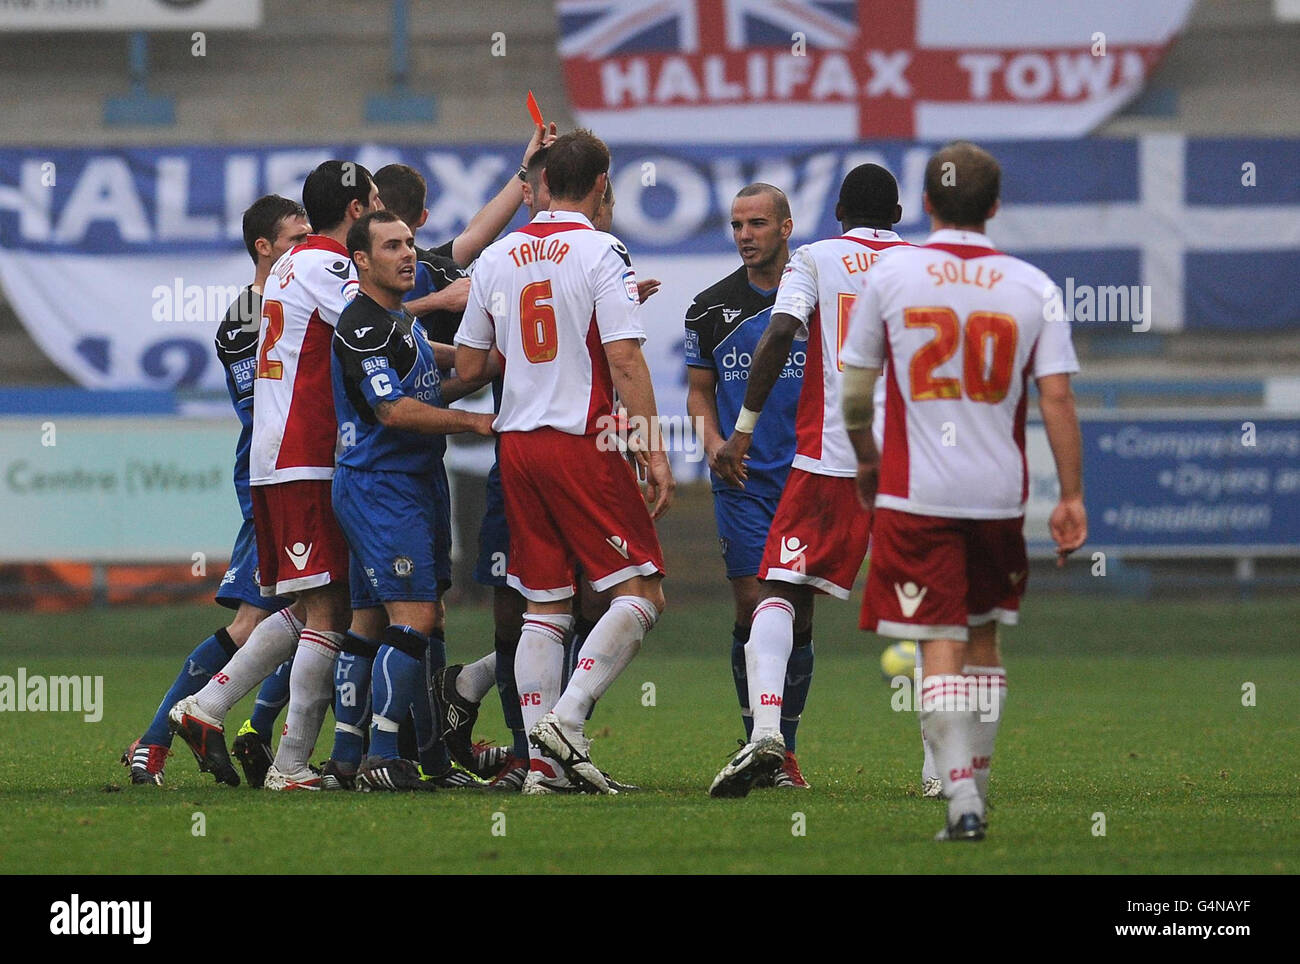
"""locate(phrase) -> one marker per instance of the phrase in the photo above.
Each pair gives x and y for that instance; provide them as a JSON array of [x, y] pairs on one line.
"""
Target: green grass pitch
[[1129, 709]]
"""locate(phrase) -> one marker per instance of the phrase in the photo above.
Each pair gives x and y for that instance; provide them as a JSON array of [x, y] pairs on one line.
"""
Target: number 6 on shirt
[[537, 323]]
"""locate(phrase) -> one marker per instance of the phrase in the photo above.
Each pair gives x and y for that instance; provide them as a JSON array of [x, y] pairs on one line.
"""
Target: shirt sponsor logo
[[428, 379], [735, 365]]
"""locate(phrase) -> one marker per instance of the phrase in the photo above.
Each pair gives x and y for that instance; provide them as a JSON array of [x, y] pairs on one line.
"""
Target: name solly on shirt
[[963, 273]]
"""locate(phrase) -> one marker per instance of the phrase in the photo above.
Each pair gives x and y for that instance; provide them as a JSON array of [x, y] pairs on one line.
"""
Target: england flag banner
[[753, 71], [121, 262]]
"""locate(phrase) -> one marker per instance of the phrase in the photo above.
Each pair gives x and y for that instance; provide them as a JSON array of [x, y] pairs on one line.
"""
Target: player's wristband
[[522, 173], [746, 420]]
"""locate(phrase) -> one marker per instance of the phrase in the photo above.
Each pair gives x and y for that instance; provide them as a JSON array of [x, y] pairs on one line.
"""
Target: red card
[[535, 110]]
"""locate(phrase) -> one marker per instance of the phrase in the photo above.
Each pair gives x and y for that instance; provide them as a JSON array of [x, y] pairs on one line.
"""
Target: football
[[898, 660]]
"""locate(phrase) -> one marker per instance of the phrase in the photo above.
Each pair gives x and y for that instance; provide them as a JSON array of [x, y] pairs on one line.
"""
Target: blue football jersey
[[723, 327], [433, 272], [237, 351], [380, 356]]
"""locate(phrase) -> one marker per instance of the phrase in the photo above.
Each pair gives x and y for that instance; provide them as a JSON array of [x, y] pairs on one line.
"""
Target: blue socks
[[271, 699], [432, 751], [352, 698], [798, 679], [397, 680], [509, 693], [739, 637], [207, 658]]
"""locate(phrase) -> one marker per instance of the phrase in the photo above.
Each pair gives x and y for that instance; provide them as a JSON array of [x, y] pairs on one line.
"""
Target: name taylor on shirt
[[542, 249]]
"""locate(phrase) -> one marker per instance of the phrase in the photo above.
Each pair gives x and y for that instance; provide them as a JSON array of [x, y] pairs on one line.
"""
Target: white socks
[[771, 639], [950, 724], [272, 641], [928, 769], [311, 694], [477, 678], [988, 694], [539, 667], [609, 647]]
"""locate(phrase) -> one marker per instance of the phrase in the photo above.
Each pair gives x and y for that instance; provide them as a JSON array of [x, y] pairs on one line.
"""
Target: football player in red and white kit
[[818, 536], [300, 546], [962, 327], [558, 299]]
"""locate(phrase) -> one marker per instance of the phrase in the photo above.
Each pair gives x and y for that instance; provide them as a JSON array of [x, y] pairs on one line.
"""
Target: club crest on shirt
[[403, 566]]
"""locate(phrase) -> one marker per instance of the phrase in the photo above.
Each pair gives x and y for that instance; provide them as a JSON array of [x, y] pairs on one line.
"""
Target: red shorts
[[299, 543], [932, 577], [819, 534], [569, 503]]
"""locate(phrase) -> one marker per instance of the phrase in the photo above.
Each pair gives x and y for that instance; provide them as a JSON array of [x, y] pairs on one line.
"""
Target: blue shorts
[[398, 528], [239, 584], [743, 521], [493, 535]]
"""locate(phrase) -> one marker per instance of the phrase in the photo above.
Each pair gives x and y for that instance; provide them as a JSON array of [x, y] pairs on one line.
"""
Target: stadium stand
[[235, 94]]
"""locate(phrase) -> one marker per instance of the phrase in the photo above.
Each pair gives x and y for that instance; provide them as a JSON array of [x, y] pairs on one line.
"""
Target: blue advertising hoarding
[[1213, 483]]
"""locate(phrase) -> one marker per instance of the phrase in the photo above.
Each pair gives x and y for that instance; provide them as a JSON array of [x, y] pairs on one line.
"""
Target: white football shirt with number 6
[[549, 296]]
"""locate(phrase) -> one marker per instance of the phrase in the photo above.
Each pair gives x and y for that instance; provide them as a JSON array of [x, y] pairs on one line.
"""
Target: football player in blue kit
[[390, 487], [437, 299], [271, 226], [723, 327]]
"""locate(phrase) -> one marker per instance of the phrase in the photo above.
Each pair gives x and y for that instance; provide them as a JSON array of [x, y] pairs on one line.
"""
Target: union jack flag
[[838, 70], [604, 28]]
